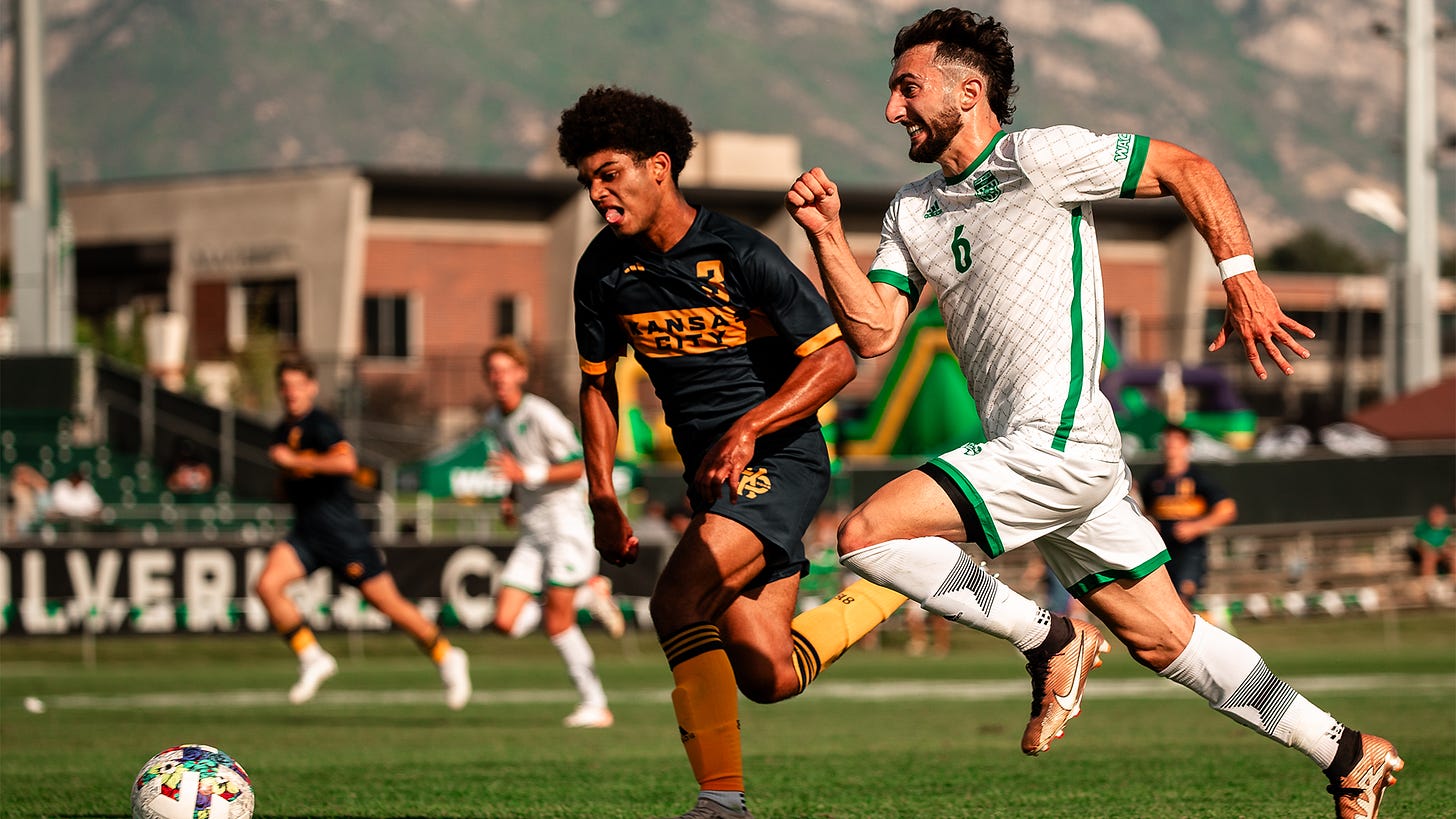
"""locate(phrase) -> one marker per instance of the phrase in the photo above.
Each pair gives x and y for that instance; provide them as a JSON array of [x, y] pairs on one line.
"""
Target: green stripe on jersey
[[1074, 388], [1135, 166], [899, 281]]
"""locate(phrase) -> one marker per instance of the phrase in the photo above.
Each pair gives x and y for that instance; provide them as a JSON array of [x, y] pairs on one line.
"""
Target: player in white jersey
[[1003, 232], [541, 456]]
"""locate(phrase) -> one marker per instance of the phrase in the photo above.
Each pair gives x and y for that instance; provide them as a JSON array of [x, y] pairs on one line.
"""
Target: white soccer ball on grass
[[192, 782]]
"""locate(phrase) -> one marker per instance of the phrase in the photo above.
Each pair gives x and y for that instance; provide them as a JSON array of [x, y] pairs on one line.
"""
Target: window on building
[[387, 326], [270, 306], [1124, 331], [512, 317]]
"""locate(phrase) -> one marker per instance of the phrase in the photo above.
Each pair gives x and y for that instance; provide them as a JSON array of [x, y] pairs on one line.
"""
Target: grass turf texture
[[378, 741]]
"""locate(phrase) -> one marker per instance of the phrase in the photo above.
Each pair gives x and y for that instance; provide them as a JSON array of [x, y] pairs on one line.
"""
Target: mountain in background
[[1297, 101]]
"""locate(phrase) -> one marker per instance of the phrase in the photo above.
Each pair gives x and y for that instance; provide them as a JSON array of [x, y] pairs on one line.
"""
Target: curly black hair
[[967, 38], [639, 125]]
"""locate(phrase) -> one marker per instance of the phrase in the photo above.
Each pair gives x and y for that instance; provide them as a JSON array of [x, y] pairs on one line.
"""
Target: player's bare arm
[[817, 378], [1253, 311], [511, 469], [610, 527], [870, 315], [1222, 514], [340, 460]]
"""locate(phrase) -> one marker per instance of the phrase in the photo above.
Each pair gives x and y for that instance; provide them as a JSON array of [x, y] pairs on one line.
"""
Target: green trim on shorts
[[994, 546], [1097, 580]]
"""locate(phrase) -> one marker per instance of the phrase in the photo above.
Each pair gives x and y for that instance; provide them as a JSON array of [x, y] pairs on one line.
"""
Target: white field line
[[1393, 685]]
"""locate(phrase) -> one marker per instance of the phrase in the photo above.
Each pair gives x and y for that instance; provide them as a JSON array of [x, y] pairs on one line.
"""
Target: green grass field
[[879, 735]]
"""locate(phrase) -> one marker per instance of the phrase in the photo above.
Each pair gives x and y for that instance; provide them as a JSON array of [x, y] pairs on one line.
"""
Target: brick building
[[394, 280]]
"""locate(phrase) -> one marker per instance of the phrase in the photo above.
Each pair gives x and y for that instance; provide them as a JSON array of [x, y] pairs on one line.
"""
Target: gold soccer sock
[[300, 638], [436, 647], [705, 700], [823, 633]]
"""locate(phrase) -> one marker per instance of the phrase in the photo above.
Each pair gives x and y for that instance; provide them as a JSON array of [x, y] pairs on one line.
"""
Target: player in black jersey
[[1185, 506], [317, 463], [742, 351]]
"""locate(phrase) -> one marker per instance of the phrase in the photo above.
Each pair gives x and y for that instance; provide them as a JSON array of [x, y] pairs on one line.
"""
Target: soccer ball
[[192, 782]]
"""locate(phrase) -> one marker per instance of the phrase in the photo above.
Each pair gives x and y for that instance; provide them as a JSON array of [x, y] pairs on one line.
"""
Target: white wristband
[[1228, 268], [535, 475]]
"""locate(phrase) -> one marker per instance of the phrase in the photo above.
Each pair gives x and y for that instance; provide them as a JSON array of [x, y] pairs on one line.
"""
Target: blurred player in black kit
[[317, 463]]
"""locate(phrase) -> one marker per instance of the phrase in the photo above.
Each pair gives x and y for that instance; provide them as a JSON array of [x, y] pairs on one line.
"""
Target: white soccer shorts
[[1078, 510], [563, 557]]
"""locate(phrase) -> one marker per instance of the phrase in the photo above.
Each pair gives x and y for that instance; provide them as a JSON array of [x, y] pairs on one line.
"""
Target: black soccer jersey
[[718, 322], [319, 501], [1172, 499]]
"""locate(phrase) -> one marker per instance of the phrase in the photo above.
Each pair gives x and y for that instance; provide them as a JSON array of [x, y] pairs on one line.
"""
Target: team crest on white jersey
[[987, 187]]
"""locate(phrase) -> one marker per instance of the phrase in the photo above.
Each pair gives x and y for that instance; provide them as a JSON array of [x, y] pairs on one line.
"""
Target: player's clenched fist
[[813, 200], [613, 535]]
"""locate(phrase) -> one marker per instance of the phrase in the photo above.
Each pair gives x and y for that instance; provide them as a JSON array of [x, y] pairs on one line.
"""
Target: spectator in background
[[1186, 507], [188, 474], [1433, 545], [30, 499], [916, 619], [653, 528], [74, 498], [1053, 595]]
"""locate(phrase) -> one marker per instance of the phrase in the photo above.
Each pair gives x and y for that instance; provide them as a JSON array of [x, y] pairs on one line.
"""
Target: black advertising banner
[[134, 588]]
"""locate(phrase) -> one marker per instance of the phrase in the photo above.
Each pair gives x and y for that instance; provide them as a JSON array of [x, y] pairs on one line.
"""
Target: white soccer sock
[[732, 800], [944, 580], [526, 619], [1234, 679], [580, 665]]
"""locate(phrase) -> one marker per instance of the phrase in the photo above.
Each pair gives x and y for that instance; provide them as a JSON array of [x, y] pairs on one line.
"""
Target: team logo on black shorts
[[754, 482], [354, 569]]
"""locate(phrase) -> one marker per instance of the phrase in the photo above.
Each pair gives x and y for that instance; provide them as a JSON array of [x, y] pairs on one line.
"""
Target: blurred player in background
[[541, 456], [1003, 231], [317, 464], [1187, 507], [743, 352]]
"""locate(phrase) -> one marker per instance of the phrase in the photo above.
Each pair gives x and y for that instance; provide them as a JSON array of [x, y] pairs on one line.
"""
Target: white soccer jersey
[[1010, 248], [537, 434]]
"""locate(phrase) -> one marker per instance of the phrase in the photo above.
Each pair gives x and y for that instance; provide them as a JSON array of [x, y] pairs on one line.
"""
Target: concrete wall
[[235, 229]]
